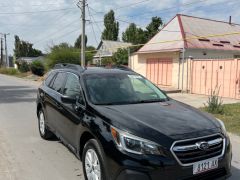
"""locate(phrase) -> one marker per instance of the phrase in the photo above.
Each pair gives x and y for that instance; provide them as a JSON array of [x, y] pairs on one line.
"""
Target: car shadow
[[16, 94]]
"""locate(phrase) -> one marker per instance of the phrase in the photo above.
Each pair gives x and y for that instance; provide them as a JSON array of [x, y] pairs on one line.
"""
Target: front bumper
[[124, 167]]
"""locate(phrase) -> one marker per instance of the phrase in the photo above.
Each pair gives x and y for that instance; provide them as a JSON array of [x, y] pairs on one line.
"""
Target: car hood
[[169, 118]]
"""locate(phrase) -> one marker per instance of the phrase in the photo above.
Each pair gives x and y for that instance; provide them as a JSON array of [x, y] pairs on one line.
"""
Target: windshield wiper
[[152, 100]]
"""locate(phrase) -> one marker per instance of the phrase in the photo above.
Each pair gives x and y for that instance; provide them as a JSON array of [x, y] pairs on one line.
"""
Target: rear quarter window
[[59, 81], [49, 78]]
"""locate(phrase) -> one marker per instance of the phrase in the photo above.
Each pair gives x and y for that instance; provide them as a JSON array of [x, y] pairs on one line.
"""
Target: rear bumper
[[155, 169]]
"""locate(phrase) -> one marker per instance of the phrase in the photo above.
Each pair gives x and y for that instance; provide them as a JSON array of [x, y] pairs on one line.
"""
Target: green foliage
[[25, 49], [121, 57], [78, 42], [231, 117], [9, 71], [214, 104], [107, 61], [37, 68], [111, 27], [153, 27], [136, 35], [23, 66], [64, 53]]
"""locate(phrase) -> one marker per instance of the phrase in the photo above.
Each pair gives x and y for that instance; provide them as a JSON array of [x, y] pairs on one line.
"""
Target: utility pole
[[6, 52], [1, 62], [82, 4]]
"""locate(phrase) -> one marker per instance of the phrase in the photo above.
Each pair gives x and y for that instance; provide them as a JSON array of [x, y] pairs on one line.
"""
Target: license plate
[[206, 165]]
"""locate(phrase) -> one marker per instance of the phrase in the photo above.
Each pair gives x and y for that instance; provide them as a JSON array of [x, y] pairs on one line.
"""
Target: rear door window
[[72, 88], [58, 82]]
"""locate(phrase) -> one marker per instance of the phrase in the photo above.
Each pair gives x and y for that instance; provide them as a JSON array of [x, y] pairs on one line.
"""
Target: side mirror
[[68, 100]]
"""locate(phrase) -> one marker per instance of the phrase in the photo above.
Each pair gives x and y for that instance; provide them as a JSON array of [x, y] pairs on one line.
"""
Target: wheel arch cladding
[[83, 140]]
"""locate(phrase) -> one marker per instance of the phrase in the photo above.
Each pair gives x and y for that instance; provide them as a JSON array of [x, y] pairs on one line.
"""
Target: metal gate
[[159, 71], [207, 75]]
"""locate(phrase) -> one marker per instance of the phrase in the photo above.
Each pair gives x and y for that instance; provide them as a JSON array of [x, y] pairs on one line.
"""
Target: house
[[29, 60], [107, 48], [193, 54]]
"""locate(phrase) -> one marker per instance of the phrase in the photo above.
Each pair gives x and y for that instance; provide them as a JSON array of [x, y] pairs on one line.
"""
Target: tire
[[92, 146], [44, 132]]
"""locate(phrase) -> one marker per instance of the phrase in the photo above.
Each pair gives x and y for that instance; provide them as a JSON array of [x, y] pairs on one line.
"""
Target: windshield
[[110, 89]]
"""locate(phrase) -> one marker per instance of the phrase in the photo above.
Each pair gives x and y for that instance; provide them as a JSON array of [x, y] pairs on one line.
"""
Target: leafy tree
[[107, 61], [134, 35], [111, 27], [130, 34], [65, 53], [153, 27], [121, 57], [78, 42], [24, 48]]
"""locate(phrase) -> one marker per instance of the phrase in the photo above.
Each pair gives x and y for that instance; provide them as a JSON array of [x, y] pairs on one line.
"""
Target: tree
[[121, 57], [153, 27], [78, 42], [65, 53], [24, 48], [134, 35], [130, 34], [111, 27]]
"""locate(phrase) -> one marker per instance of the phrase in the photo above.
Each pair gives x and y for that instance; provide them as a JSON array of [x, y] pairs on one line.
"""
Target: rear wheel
[[45, 133], [92, 160]]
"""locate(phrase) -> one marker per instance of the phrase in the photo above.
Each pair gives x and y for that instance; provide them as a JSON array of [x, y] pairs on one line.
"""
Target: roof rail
[[69, 66], [121, 67]]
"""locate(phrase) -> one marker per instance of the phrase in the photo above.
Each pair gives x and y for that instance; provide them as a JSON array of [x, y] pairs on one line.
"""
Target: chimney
[[230, 19]]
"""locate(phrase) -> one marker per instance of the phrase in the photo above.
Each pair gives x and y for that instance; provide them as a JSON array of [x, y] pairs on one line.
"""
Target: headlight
[[134, 144], [222, 126]]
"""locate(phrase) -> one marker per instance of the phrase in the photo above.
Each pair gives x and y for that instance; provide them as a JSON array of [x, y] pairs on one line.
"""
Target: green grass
[[230, 117], [9, 71]]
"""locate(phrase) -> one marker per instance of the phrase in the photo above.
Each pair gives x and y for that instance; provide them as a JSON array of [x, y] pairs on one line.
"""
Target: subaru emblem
[[202, 145]]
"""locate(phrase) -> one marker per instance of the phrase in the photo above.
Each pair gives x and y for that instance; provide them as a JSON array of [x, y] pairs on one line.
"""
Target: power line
[[34, 12], [170, 8], [92, 25], [43, 4], [55, 32], [120, 7], [175, 40]]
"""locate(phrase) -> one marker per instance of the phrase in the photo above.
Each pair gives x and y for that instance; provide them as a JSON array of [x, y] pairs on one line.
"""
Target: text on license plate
[[206, 165]]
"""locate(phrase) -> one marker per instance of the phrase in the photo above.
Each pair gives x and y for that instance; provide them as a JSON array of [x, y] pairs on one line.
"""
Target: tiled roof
[[107, 48], [191, 28]]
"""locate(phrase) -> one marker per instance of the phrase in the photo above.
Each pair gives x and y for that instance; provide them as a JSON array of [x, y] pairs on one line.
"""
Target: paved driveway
[[197, 100]]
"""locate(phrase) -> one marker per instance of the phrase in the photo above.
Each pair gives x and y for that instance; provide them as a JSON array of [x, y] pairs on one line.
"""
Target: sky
[[47, 23]]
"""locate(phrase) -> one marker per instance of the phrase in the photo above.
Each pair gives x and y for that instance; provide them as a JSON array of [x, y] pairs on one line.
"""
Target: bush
[[8, 71], [23, 66], [214, 104], [37, 68], [121, 57], [65, 53]]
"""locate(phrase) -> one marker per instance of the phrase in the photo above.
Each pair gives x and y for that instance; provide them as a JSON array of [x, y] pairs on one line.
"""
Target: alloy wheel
[[92, 165]]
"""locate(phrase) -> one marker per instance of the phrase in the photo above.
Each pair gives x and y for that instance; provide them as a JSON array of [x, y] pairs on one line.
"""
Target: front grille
[[189, 151]]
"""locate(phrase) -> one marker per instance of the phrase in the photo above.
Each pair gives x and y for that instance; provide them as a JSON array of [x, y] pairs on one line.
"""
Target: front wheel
[[45, 133], [93, 166]]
